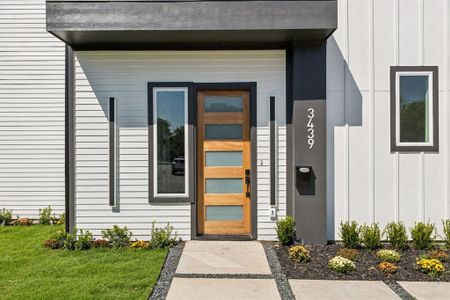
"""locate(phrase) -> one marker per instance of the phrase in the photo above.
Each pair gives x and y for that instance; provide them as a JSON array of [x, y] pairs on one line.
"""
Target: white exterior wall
[[124, 75], [31, 110], [366, 182]]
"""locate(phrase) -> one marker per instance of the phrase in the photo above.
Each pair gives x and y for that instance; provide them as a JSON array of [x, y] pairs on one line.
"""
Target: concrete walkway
[[241, 270]]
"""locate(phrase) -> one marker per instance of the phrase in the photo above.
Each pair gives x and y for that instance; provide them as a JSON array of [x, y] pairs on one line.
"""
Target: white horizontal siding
[[366, 182], [124, 75], [31, 110]]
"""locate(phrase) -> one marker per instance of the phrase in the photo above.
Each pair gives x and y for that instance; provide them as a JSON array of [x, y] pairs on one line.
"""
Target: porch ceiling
[[123, 24]]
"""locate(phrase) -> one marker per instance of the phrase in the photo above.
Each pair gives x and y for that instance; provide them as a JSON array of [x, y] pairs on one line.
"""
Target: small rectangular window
[[414, 109], [170, 143]]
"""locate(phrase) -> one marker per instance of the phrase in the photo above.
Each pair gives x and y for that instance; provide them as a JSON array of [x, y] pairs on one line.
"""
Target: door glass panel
[[414, 110], [223, 104], [224, 213], [223, 158], [223, 185], [223, 132]]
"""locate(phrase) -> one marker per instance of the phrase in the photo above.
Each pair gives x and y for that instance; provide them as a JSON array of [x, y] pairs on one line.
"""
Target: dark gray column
[[306, 121]]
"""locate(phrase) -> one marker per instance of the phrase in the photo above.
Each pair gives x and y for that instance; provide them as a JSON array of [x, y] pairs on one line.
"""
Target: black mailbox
[[305, 180]]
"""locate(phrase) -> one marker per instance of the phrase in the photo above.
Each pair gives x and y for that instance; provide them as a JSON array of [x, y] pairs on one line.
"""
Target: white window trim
[[155, 143], [398, 74]]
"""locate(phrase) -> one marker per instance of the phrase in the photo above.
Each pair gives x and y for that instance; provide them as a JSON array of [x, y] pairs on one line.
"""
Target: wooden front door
[[223, 158]]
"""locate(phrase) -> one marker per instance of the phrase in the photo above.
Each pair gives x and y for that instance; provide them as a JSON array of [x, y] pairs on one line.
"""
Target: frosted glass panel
[[224, 213], [223, 132], [223, 104], [223, 185], [223, 158]]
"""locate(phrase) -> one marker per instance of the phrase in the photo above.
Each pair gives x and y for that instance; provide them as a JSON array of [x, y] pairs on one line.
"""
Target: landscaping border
[[162, 286]]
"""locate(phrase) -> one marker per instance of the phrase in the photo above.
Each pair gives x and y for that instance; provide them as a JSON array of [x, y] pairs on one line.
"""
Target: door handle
[[247, 182]]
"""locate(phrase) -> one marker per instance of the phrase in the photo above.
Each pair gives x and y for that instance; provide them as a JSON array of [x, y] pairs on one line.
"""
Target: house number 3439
[[310, 127]]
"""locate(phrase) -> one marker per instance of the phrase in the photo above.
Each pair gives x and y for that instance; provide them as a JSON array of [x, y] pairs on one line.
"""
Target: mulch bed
[[366, 266]]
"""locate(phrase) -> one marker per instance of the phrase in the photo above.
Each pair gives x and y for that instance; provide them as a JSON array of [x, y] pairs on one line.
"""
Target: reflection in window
[[223, 104], [414, 109], [170, 144]]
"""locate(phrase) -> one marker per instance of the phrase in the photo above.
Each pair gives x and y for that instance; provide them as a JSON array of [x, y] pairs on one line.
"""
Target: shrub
[[62, 219], [446, 225], [341, 265], [100, 244], [84, 241], [23, 222], [59, 237], [286, 230], [423, 235], [396, 235], [371, 236], [438, 254], [52, 244], [140, 245], [351, 254], [45, 216], [299, 254], [387, 267], [391, 256], [349, 232], [70, 240], [432, 267], [162, 237], [118, 237], [5, 217]]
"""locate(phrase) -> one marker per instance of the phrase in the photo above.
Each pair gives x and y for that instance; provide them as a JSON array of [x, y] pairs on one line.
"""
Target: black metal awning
[[171, 24]]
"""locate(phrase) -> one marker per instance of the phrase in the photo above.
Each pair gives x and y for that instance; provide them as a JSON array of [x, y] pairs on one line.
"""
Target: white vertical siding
[[31, 110], [124, 75], [366, 182]]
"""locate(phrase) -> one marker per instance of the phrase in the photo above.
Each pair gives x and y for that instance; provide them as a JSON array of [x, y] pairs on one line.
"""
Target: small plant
[[59, 237], [299, 254], [351, 254], [61, 220], [432, 267], [391, 256], [423, 235], [349, 232], [100, 244], [5, 217], [45, 216], [438, 254], [286, 230], [23, 222], [341, 265], [396, 235], [84, 241], [371, 236], [52, 244], [387, 267], [70, 241], [118, 237], [140, 245], [162, 237], [446, 225]]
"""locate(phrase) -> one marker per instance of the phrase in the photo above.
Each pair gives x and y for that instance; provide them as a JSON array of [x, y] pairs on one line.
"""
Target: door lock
[[247, 182]]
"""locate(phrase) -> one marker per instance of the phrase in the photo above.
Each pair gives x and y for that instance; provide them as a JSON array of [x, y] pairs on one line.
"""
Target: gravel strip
[[399, 290], [226, 276], [161, 288], [282, 283]]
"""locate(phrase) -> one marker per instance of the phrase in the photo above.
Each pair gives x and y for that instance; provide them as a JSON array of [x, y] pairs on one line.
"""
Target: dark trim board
[[69, 146], [435, 71]]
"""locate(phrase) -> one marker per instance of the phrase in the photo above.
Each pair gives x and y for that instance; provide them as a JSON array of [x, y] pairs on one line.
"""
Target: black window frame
[[190, 197], [434, 147]]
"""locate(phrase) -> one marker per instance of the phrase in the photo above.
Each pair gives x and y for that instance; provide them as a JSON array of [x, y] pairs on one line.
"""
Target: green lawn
[[30, 271]]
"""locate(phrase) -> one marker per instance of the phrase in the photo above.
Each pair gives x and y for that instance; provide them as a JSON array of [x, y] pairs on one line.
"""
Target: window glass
[[170, 110], [224, 213], [414, 110], [223, 185], [223, 158], [223, 104]]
